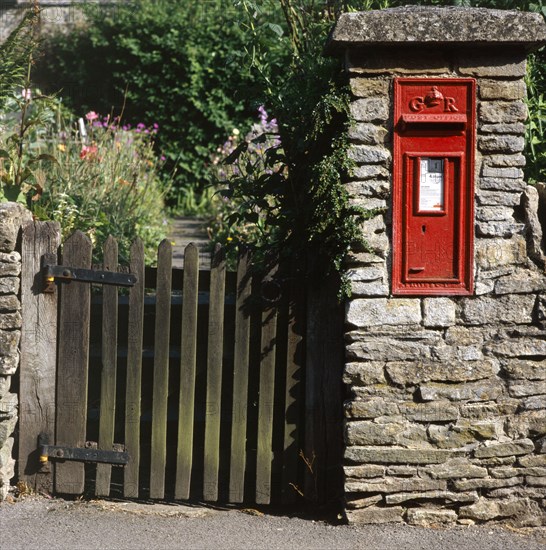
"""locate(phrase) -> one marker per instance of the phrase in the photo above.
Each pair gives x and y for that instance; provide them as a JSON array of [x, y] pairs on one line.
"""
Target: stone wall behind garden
[[446, 414]]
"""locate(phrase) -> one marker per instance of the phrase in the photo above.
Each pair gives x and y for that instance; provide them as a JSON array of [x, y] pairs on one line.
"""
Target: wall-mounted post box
[[433, 185]]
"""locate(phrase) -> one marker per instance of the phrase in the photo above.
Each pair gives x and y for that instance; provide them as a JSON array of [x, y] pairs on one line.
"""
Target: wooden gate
[[192, 379]]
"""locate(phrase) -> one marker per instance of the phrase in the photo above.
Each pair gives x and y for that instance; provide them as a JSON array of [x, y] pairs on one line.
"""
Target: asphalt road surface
[[37, 522]]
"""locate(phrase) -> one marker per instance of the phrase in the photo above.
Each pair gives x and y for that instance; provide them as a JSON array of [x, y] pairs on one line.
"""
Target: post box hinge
[[52, 273], [89, 453]]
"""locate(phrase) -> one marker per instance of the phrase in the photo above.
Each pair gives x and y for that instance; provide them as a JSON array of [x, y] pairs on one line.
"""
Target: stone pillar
[[12, 216], [446, 408]]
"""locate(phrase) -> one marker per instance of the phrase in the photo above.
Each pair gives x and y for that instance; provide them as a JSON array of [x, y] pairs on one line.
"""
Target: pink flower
[[91, 115], [89, 152]]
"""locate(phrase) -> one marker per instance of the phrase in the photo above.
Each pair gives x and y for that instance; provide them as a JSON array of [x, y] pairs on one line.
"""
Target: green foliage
[[178, 63]]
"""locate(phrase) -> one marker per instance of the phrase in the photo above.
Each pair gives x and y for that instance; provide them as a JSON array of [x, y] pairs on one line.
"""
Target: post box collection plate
[[433, 186]]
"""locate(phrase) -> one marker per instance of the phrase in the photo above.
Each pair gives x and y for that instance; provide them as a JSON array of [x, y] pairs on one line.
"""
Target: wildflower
[[235, 131], [26, 93], [91, 115], [61, 147], [89, 152], [122, 181]]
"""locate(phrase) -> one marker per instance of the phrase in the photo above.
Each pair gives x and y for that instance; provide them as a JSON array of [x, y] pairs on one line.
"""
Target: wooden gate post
[[38, 354]]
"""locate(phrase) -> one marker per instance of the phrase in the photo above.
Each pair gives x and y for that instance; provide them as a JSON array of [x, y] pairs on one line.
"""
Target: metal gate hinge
[[89, 453], [52, 273]]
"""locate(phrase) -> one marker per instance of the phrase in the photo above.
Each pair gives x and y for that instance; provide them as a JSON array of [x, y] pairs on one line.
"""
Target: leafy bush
[[176, 62]]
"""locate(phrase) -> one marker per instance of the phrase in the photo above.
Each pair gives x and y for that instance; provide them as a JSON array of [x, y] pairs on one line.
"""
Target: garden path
[[185, 230]]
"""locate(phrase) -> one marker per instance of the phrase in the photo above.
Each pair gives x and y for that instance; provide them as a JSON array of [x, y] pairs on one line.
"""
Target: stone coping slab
[[426, 25]]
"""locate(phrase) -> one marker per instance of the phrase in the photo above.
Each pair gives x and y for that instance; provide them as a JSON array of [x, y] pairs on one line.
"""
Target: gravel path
[[37, 522], [183, 231]]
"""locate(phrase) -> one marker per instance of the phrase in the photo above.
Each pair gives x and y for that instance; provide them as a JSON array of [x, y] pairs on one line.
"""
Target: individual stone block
[[425, 517], [9, 343], [9, 364], [367, 471], [363, 502], [527, 388], [438, 312], [532, 461], [369, 171], [370, 433], [412, 373], [446, 496], [5, 382], [498, 112], [7, 467], [375, 514], [511, 448], [534, 403], [10, 264], [494, 213], [535, 233], [12, 217], [517, 128], [368, 87], [370, 109], [486, 483], [486, 509], [502, 89], [381, 311], [9, 285], [9, 303], [368, 133], [398, 455], [512, 185], [388, 62], [501, 144], [369, 281], [521, 369], [521, 281], [504, 229], [519, 347], [497, 198], [364, 374], [441, 411], [393, 485], [10, 321], [484, 390], [369, 154], [503, 166], [457, 468], [370, 408], [493, 253], [511, 308]]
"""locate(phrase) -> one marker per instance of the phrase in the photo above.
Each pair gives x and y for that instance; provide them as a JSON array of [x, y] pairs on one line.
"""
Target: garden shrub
[[174, 62]]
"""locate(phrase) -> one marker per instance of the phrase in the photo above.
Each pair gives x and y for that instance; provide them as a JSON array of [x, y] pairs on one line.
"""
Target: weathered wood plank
[[294, 373], [323, 392], [161, 370], [264, 457], [38, 354], [109, 365], [72, 368], [240, 381], [214, 376], [134, 372], [187, 372]]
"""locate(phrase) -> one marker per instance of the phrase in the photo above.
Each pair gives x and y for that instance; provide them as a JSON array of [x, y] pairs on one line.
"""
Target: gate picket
[[188, 359], [72, 366], [134, 372], [214, 376], [109, 365], [240, 382], [161, 370], [265, 405]]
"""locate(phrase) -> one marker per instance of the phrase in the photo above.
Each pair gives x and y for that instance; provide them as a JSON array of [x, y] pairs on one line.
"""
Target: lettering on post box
[[433, 186]]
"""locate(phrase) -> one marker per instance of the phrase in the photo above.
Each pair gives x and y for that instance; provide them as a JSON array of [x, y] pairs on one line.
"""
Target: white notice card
[[431, 184]]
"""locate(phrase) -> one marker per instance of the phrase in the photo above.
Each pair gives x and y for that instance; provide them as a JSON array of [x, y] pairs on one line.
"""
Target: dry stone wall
[[12, 216], [446, 408]]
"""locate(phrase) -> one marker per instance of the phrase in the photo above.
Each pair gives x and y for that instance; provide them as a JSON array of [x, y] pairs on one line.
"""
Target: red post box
[[433, 185]]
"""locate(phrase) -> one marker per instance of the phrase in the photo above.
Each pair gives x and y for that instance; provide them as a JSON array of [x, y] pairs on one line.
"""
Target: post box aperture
[[433, 186]]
